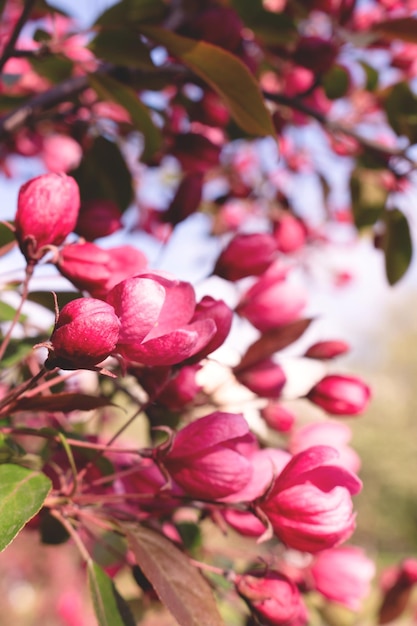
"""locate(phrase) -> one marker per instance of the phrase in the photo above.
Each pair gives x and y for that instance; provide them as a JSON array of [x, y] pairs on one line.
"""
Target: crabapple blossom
[[86, 332], [343, 575], [265, 378], [47, 211], [278, 417], [97, 270], [273, 598], [204, 457], [330, 433], [340, 395], [272, 301], [327, 349], [309, 505], [157, 320], [98, 218], [246, 255]]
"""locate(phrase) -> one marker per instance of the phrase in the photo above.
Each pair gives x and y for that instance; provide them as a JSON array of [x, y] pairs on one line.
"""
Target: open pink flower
[[156, 313], [343, 575], [310, 505], [205, 459]]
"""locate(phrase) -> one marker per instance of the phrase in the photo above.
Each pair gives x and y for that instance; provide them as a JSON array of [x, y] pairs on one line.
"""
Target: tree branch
[[9, 47], [337, 127]]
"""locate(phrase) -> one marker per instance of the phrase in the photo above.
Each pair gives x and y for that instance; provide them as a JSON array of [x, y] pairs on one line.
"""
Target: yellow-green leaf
[[397, 245], [225, 73], [22, 493]]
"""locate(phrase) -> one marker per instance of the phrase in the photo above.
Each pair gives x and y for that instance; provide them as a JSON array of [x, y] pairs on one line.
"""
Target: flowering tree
[[119, 433]]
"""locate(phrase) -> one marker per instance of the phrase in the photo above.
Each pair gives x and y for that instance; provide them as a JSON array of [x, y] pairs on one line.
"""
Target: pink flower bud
[[218, 25], [156, 314], [272, 301], [85, 333], [341, 395], [246, 255], [47, 211], [221, 314], [98, 218], [329, 433], [265, 378], [278, 417], [61, 153], [327, 349], [290, 233], [315, 53], [343, 575], [182, 389], [309, 505], [204, 458], [97, 270], [273, 598]]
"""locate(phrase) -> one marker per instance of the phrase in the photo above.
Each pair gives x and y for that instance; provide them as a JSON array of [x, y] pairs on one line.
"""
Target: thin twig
[[9, 47]]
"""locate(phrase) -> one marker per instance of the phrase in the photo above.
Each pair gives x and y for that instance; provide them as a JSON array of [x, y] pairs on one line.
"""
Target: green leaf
[[7, 313], [401, 109], [372, 76], [109, 606], [336, 82], [225, 73], [404, 28], [46, 299], [397, 245], [121, 47], [103, 173], [55, 68], [369, 196], [18, 349], [22, 494], [130, 12], [177, 582], [108, 88]]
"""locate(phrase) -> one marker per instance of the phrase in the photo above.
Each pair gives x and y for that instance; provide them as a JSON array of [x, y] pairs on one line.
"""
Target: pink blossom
[[278, 417], [61, 153], [85, 333], [246, 255], [98, 218], [273, 598], [272, 301], [327, 349], [47, 211], [267, 464], [156, 314], [340, 395], [309, 505], [265, 378], [204, 458], [289, 233], [328, 433], [343, 575], [97, 270]]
